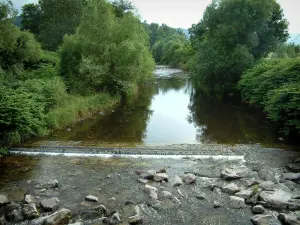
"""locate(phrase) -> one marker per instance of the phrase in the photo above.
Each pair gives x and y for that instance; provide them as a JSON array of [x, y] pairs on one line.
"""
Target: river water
[[169, 112]]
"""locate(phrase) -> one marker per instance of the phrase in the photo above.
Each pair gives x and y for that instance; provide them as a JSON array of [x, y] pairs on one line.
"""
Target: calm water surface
[[169, 112]]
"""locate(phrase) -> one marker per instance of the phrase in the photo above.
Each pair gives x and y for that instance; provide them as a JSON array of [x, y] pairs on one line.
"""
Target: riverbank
[[213, 190]]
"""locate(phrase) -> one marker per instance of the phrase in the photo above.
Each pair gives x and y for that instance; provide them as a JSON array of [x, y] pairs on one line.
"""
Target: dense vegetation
[[231, 36], [169, 46], [99, 52]]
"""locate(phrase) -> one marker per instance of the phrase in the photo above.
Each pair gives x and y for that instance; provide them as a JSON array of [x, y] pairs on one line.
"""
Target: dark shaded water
[[169, 112]]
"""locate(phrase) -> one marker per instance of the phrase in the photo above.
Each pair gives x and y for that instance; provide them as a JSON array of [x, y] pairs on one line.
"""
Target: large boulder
[[189, 178], [277, 199], [237, 202], [50, 204], [60, 217], [159, 177], [258, 209], [263, 219]]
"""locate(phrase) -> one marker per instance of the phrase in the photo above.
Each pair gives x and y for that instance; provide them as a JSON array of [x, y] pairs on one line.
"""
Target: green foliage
[[275, 86], [31, 17], [58, 17], [285, 50], [108, 53], [231, 36]]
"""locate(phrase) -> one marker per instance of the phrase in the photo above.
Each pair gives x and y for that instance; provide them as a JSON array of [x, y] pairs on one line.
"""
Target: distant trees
[[231, 36], [31, 18]]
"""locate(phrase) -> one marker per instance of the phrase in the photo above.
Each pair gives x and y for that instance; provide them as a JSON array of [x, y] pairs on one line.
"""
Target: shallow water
[[169, 112]]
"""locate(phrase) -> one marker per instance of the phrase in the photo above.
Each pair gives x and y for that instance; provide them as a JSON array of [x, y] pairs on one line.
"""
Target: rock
[[291, 176], [137, 218], [231, 188], [115, 219], [250, 182], [262, 219], [50, 204], [245, 194], [152, 191], [149, 175], [234, 173], [258, 209], [253, 199], [159, 177], [269, 175], [111, 202], [162, 170], [30, 211], [180, 193], [143, 181], [177, 181], [267, 185], [139, 172], [128, 202], [217, 205], [277, 199], [237, 202], [200, 197], [289, 219], [165, 195], [290, 184], [3, 200], [60, 217], [13, 212], [101, 210], [91, 198], [28, 199], [47, 184], [189, 178], [176, 200], [89, 215], [294, 168]]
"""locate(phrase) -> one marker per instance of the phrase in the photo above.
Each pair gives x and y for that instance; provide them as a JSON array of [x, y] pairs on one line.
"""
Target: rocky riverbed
[[260, 188]]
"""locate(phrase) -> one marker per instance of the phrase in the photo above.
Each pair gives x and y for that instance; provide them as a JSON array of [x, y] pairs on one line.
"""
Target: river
[[169, 112]]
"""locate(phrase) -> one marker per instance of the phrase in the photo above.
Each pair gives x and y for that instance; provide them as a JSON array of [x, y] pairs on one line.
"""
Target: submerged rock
[[91, 198], [3, 200], [50, 204], [189, 178], [47, 184], [60, 217], [137, 218], [237, 202]]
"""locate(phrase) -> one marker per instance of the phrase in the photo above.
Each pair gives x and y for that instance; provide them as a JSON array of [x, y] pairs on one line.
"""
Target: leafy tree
[[121, 7], [58, 17], [231, 36], [31, 17], [108, 53]]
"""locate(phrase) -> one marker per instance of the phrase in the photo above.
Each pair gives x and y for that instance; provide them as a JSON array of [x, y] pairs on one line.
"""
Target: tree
[[231, 36], [121, 7], [107, 53], [31, 17], [58, 17]]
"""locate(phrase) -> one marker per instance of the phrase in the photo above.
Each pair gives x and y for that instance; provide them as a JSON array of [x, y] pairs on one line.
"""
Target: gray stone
[[266, 174], [149, 175], [3, 200], [245, 194], [237, 202], [177, 181], [289, 219], [231, 188], [50, 204], [30, 211], [258, 209], [137, 218], [294, 167], [152, 191], [291, 176], [159, 177], [180, 193], [217, 205], [165, 195], [143, 181], [234, 173], [47, 184], [115, 219], [277, 199], [91, 198], [60, 217], [267, 185], [28, 199], [250, 182], [200, 197], [101, 210], [189, 178], [176, 200], [162, 170], [262, 219]]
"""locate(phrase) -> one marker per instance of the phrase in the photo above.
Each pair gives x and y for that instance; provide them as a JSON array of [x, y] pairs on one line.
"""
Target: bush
[[275, 86]]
